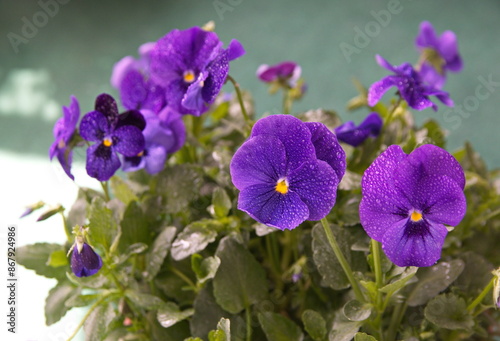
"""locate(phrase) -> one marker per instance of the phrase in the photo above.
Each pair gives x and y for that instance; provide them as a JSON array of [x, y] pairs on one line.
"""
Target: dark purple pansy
[[113, 133], [441, 54], [411, 87], [164, 134], [63, 132], [192, 66], [286, 73], [84, 260], [408, 199], [354, 136], [131, 77], [287, 171]]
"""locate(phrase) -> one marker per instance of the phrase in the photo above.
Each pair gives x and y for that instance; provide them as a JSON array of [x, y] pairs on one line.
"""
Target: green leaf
[[146, 301], [206, 312], [391, 288], [204, 269], [357, 311], [36, 257], [433, 280], [343, 330], [122, 190], [96, 325], [169, 314], [81, 300], [223, 332], [49, 213], [240, 280], [55, 306], [57, 258], [182, 183], [221, 202], [158, 252], [476, 274], [371, 289], [435, 133], [193, 339], [102, 223], [134, 227], [194, 238], [96, 281], [449, 311], [314, 324], [364, 337], [278, 328]]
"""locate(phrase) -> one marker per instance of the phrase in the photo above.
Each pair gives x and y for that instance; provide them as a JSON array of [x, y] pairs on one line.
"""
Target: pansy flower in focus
[[410, 86], [64, 130], [355, 135], [132, 78], [287, 171], [408, 199], [164, 134], [439, 54], [192, 66], [113, 133]]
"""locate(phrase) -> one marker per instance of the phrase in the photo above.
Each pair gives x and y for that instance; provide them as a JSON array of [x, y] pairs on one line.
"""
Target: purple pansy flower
[[84, 260], [286, 72], [410, 85], [164, 134], [63, 132], [192, 66], [408, 199], [137, 90], [113, 133], [441, 53], [354, 136], [287, 171]]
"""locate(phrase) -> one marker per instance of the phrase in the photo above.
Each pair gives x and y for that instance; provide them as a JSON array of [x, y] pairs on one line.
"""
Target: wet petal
[[94, 126], [128, 140], [106, 105], [86, 263], [378, 89], [102, 162]]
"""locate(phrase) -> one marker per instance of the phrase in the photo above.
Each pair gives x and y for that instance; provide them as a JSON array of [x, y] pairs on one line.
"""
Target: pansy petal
[[235, 50], [106, 104], [266, 73], [379, 175], [263, 203], [193, 100], [431, 77], [327, 147], [121, 69], [448, 49], [217, 73], [94, 126], [415, 243], [260, 160], [378, 212], [86, 263], [132, 90], [373, 122], [292, 132], [155, 159], [316, 184], [131, 118], [128, 140], [427, 36], [134, 163], [378, 89], [102, 162], [72, 114], [384, 63], [65, 157]]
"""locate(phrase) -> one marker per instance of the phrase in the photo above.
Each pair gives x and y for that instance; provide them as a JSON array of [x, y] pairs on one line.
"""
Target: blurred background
[[51, 49]]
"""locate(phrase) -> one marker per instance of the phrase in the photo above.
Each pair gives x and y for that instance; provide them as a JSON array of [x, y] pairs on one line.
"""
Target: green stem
[[481, 296], [248, 318], [91, 309], [343, 262], [397, 315], [287, 103], [377, 264], [391, 113], [240, 100], [185, 278], [105, 188], [66, 231]]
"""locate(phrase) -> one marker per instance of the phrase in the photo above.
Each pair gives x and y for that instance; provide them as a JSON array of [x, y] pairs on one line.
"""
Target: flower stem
[[91, 309], [248, 318], [343, 262], [481, 296], [185, 278], [397, 315], [287, 102], [240, 100], [105, 188], [377, 264]]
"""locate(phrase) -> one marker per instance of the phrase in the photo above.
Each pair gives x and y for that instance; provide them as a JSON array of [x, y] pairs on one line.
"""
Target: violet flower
[[354, 136], [287, 171], [137, 90], [411, 87], [84, 260], [440, 53], [64, 130], [113, 133], [408, 199], [164, 134], [192, 66], [286, 73]]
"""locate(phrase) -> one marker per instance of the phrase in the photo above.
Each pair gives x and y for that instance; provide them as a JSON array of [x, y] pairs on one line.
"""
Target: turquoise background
[[73, 53]]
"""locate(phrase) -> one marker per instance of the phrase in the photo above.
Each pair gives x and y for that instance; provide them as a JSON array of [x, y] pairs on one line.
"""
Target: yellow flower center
[[107, 142], [188, 76], [416, 216], [141, 154], [282, 186]]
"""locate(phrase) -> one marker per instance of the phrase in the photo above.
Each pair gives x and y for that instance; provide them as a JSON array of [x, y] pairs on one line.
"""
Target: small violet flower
[[408, 199], [84, 260], [288, 171], [411, 87], [286, 73], [113, 133], [192, 66], [164, 134], [132, 78], [354, 136], [64, 130], [440, 54]]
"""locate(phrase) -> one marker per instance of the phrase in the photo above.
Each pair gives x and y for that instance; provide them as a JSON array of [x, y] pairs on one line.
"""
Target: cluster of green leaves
[[182, 263]]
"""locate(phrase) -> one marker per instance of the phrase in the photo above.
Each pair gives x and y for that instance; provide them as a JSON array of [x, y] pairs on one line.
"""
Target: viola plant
[[227, 225]]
